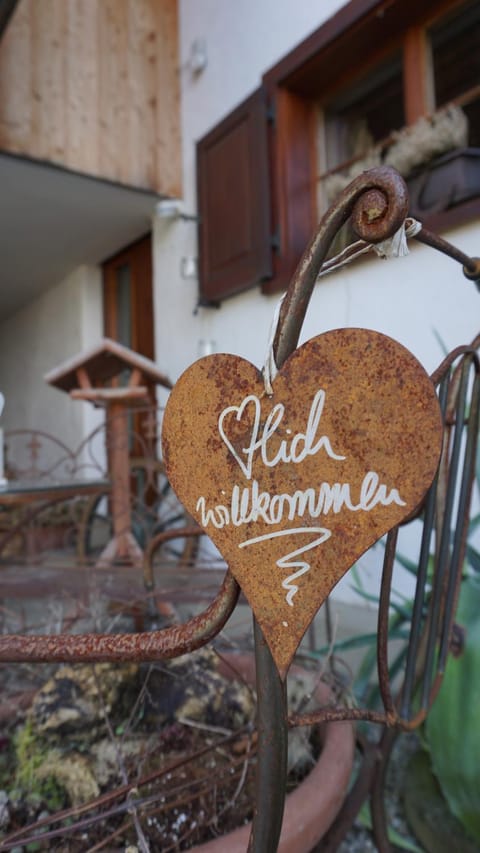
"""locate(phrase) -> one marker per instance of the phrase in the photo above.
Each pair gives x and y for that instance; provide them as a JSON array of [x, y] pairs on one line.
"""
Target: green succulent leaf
[[473, 558], [393, 836], [452, 730]]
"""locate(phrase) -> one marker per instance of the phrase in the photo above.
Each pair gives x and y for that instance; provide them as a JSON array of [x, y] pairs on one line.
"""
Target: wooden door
[[128, 297], [128, 319]]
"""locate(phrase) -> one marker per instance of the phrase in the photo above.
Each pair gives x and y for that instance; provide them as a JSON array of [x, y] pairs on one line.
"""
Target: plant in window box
[[445, 182], [426, 139], [431, 156], [414, 151]]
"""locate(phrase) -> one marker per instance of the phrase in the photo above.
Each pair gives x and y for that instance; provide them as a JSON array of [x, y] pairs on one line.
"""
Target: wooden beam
[[108, 395], [83, 378], [94, 86], [418, 88], [136, 377]]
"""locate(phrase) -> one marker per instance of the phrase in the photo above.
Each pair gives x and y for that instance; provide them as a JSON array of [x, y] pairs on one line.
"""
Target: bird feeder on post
[[94, 375]]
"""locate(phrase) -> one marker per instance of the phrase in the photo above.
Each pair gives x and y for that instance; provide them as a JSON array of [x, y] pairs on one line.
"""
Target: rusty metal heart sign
[[294, 487]]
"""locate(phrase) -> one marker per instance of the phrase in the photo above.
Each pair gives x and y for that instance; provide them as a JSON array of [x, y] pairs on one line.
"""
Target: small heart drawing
[[293, 488], [246, 466]]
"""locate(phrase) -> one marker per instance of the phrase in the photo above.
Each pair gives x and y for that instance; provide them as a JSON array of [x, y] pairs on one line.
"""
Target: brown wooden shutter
[[233, 201]]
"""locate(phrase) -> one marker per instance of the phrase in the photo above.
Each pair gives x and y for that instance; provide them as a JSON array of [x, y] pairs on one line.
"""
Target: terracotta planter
[[313, 806]]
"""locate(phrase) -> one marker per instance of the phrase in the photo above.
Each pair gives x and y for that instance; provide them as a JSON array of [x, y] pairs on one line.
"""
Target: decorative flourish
[[285, 562], [377, 201]]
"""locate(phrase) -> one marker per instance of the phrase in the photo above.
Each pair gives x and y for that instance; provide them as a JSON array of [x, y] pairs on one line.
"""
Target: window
[[455, 56], [347, 98], [364, 113], [409, 109], [354, 125]]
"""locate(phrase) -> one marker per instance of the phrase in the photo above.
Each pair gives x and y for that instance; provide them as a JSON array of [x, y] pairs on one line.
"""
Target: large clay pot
[[313, 806]]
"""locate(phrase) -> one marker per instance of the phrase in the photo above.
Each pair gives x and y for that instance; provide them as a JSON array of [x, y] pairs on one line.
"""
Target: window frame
[[371, 30]]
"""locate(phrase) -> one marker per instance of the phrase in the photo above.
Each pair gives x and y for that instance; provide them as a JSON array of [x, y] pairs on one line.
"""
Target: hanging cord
[[270, 368], [395, 247]]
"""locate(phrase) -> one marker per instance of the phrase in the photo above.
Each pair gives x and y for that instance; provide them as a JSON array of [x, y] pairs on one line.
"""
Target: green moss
[[7, 760], [31, 753]]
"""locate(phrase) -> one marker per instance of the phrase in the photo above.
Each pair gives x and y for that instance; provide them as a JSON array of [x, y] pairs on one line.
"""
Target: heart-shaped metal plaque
[[293, 488]]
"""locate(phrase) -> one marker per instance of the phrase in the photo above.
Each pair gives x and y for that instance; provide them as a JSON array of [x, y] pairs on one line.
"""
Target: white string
[[270, 368], [395, 247], [350, 253]]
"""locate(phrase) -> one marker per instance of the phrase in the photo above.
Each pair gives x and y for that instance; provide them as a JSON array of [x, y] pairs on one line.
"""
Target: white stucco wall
[[414, 299], [63, 321]]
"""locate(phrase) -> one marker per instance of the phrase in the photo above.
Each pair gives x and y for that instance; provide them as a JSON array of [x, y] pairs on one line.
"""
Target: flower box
[[445, 182]]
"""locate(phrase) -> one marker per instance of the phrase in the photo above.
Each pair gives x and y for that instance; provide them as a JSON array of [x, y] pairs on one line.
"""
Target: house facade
[[319, 69], [89, 143], [106, 109], [166, 161]]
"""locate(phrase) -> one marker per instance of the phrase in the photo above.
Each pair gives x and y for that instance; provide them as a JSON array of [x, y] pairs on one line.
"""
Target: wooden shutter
[[235, 250]]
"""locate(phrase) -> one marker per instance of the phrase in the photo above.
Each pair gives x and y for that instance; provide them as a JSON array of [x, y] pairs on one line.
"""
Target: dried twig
[[204, 727]]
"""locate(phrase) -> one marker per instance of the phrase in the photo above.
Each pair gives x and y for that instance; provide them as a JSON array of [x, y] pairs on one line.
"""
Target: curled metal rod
[[154, 645], [471, 266], [377, 201], [462, 520], [272, 750], [378, 204], [377, 802], [442, 567], [415, 635], [415, 661], [160, 539], [383, 625]]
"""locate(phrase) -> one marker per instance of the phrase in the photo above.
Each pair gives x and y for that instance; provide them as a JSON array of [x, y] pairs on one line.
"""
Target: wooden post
[[123, 545]]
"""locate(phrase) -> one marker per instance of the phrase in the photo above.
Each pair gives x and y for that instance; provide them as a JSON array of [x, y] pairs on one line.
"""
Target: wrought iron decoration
[[346, 380]]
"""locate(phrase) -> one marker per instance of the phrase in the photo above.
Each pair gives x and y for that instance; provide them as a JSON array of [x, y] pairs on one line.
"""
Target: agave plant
[[452, 732], [450, 736]]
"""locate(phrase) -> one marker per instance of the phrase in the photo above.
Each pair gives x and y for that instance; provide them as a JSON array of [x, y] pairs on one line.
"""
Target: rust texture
[[471, 266], [154, 645], [381, 420]]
